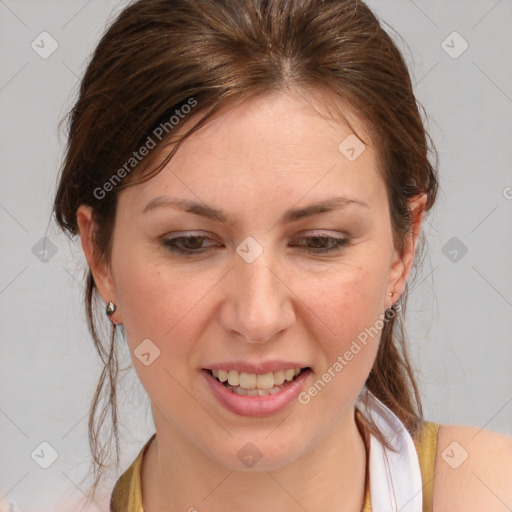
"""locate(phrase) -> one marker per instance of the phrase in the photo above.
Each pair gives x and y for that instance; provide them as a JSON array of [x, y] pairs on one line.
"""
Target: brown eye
[[324, 244], [186, 244]]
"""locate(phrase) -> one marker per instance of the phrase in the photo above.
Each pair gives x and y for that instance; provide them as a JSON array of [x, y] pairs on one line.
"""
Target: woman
[[249, 181]]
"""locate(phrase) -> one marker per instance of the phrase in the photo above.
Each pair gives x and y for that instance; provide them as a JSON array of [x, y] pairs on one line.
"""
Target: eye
[[186, 244], [325, 244]]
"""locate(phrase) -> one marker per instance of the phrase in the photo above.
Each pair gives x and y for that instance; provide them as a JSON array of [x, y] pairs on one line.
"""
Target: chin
[[258, 454]]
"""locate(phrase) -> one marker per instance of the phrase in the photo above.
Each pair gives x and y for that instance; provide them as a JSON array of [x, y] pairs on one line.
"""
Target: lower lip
[[256, 406]]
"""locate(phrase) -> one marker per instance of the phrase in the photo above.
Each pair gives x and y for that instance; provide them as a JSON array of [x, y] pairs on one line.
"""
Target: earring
[[111, 308], [395, 304]]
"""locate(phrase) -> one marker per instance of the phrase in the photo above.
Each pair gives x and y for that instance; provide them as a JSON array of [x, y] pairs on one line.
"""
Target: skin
[[255, 161], [483, 482]]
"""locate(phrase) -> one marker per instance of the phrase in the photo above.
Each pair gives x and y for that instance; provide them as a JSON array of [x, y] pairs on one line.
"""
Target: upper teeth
[[255, 381]]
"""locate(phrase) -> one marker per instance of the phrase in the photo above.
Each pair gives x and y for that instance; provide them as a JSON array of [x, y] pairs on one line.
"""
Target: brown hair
[[158, 54]]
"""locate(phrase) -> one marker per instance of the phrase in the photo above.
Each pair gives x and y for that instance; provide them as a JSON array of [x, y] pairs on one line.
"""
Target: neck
[[176, 476]]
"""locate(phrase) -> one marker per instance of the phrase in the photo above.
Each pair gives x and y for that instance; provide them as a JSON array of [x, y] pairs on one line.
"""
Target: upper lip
[[258, 368]]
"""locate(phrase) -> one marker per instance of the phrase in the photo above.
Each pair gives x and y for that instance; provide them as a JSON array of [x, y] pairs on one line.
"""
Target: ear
[[401, 264], [99, 269]]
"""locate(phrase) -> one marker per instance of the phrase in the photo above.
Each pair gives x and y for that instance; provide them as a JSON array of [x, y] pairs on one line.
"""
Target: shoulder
[[473, 470]]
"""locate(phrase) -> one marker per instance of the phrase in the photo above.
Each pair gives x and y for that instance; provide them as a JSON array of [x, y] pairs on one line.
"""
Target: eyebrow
[[292, 215]]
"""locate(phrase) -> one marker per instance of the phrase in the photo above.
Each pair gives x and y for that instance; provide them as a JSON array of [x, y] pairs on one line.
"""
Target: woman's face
[[266, 289]]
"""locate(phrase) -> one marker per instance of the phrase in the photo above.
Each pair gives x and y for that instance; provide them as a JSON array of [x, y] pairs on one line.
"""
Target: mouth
[[252, 384]]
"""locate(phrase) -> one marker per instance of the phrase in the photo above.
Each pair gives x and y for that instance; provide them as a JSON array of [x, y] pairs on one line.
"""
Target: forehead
[[284, 142], [285, 123]]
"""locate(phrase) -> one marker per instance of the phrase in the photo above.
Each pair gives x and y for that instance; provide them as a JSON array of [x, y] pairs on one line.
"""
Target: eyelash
[[337, 245]]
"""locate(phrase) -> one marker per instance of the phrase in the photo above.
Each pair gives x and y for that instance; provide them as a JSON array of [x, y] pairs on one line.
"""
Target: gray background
[[459, 314]]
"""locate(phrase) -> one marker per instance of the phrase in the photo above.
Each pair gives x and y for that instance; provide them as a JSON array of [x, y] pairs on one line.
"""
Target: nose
[[259, 304]]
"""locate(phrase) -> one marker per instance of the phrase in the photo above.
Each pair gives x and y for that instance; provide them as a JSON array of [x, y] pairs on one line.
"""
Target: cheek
[[347, 301], [349, 310], [160, 306], [152, 298], [143, 297]]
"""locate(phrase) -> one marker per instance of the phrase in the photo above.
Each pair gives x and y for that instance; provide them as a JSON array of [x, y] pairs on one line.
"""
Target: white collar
[[395, 477]]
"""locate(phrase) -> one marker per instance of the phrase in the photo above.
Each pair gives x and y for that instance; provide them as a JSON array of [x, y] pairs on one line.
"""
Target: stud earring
[[395, 304], [110, 309]]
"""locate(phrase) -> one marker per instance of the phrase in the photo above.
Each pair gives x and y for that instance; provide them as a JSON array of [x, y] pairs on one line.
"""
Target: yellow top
[[127, 495]]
